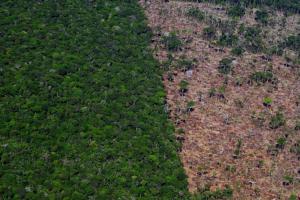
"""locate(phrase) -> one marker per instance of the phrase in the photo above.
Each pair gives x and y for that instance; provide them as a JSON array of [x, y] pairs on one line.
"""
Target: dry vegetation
[[237, 121]]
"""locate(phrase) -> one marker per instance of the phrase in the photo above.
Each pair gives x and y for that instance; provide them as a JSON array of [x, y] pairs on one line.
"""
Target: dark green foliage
[[262, 16], [209, 32], [293, 197], [190, 106], [262, 77], [227, 39], [293, 43], [172, 42], [253, 39], [206, 194], [183, 86], [185, 64], [225, 66], [81, 104], [196, 13], [281, 143], [237, 51], [277, 121], [236, 11], [267, 101]]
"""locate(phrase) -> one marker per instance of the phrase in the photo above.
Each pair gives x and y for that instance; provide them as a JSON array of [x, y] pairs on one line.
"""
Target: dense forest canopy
[[81, 104]]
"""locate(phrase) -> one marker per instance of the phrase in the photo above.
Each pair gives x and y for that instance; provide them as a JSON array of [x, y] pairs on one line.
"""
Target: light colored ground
[[213, 129]]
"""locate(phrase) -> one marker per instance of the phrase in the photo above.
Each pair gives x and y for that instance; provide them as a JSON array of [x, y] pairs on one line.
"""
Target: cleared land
[[233, 91]]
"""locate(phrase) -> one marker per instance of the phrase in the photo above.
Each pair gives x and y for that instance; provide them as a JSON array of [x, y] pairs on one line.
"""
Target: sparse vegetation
[[262, 77], [237, 51], [267, 101], [253, 40], [190, 106], [212, 92], [196, 13], [237, 151], [209, 32], [172, 42], [225, 66], [281, 143], [236, 11], [277, 120], [183, 87], [228, 39], [185, 64], [205, 194], [262, 16]]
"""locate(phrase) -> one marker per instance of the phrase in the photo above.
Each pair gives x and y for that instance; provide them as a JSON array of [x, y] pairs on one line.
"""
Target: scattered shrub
[[225, 66], [237, 51], [172, 42], [262, 16], [236, 11], [190, 106], [227, 39], [253, 40], [196, 13], [267, 101], [185, 64], [170, 76], [183, 87], [293, 197], [205, 194], [281, 143], [277, 121], [293, 42], [262, 77], [209, 32]]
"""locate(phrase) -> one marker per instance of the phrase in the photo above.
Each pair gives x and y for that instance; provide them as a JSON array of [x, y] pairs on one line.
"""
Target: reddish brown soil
[[213, 129]]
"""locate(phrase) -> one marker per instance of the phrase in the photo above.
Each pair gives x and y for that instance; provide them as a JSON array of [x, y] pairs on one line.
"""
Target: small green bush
[[262, 16], [236, 11], [281, 143], [277, 121], [206, 194], [185, 64], [293, 197], [209, 32], [196, 13], [190, 106], [267, 101], [253, 40], [172, 42], [227, 39], [225, 66], [183, 86], [293, 42], [237, 51], [262, 77]]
